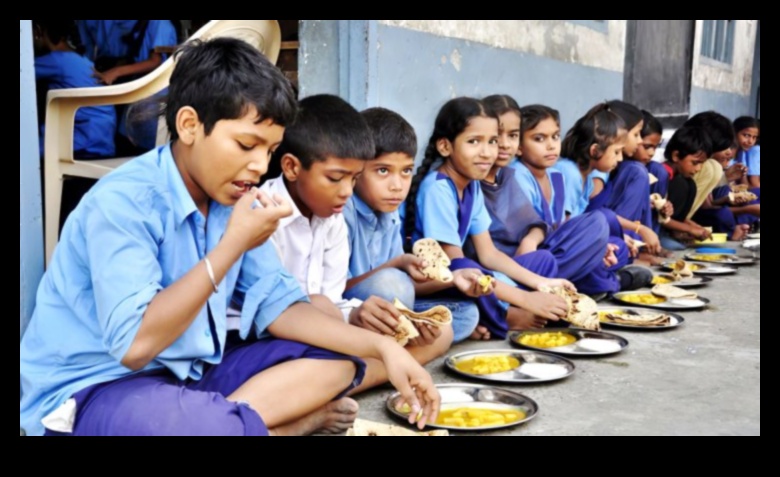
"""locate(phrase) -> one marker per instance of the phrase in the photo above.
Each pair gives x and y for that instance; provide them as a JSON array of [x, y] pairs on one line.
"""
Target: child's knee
[[392, 283], [323, 304]]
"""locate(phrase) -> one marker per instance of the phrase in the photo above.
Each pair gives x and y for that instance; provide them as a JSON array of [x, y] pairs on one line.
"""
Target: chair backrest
[[265, 35]]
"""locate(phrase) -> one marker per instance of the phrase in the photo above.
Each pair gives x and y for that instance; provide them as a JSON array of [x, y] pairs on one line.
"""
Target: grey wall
[[30, 215], [728, 104], [318, 57]]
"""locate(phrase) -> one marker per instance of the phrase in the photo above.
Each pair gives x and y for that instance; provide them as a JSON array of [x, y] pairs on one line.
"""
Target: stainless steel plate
[[474, 396], [534, 367], [675, 320], [671, 304], [586, 344], [705, 269], [686, 283], [723, 259]]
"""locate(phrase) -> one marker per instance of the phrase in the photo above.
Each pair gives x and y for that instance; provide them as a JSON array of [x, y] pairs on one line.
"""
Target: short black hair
[[225, 78], [746, 122], [534, 114], [652, 125], [719, 128], [689, 140], [326, 126], [391, 132], [56, 30], [631, 114]]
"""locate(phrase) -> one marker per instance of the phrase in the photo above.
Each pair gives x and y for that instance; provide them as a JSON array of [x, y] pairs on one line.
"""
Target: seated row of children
[[185, 291]]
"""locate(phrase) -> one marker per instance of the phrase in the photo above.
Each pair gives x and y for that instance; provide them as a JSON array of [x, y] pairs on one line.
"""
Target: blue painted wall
[[728, 104], [30, 211], [413, 79]]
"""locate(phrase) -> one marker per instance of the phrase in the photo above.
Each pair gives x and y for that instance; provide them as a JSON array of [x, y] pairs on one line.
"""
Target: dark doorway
[[659, 60]]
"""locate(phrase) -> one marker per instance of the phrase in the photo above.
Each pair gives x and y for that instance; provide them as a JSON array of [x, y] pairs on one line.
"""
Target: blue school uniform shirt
[[511, 212], [134, 234], [659, 171], [93, 134], [104, 37], [577, 193], [553, 212], [750, 158], [374, 237], [441, 215]]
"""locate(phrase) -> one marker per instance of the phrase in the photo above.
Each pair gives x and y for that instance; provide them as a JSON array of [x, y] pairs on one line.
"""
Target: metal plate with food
[[721, 259], [473, 408], [687, 282], [754, 236], [571, 342], [638, 319], [645, 298], [510, 366], [704, 269]]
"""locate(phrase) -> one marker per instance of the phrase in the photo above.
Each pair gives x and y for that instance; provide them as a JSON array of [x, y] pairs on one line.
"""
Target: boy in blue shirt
[[130, 336], [378, 266], [57, 66]]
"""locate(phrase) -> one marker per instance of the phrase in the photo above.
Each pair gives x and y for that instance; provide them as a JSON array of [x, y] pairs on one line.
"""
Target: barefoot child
[[130, 336]]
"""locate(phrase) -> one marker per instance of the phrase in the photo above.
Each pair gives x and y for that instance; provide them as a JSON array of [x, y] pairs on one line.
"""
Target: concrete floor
[[701, 379]]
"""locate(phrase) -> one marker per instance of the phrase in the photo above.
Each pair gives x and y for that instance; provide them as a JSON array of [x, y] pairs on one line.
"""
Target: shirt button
[[208, 334]]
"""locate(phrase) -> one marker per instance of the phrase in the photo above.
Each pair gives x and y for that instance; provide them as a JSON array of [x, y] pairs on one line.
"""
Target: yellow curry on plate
[[482, 365]]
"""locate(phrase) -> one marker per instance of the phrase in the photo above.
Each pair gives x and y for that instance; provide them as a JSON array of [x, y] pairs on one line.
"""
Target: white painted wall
[[734, 78], [556, 39]]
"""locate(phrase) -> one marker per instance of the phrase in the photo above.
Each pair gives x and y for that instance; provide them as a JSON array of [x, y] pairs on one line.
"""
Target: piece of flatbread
[[745, 196], [671, 291], [740, 188], [438, 262], [682, 269], [583, 310], [649, 320], [438, 316], [406, 331], [363, 428], [659, 202], [653, 178]]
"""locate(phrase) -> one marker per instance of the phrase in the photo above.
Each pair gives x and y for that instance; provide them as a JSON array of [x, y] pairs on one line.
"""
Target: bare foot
[[333, 418], [480, 334], [648, 260], [740, 233], [521, 320]]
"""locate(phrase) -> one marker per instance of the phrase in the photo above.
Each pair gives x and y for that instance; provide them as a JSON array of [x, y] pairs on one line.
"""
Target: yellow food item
[[467, 417], [660, 280], [604, 315], [643, 299], [710, 258], [547, 340], [485, 281], [482, 365]]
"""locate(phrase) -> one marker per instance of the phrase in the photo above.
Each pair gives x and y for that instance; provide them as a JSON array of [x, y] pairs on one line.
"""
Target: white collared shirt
[[315, 252]]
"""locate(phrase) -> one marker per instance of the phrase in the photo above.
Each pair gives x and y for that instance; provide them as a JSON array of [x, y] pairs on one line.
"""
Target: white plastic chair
[[265, 35]]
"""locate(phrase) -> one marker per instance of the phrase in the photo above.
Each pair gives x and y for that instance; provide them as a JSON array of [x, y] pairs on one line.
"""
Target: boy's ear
[[187, 123], [291, 167], [675, 156], [444, 146]]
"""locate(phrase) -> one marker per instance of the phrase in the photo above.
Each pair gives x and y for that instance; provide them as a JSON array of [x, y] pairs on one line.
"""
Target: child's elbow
[[135, 360]]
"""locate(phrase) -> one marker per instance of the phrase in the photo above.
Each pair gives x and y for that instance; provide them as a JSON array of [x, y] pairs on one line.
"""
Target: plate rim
[[704, 280], [529, 417], [511, 336], [745, 260], [571, 367], [727, 270], [705, 302]]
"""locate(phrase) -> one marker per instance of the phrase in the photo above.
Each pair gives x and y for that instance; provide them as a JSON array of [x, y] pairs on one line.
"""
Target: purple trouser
[[157, 403], [492, 314]]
